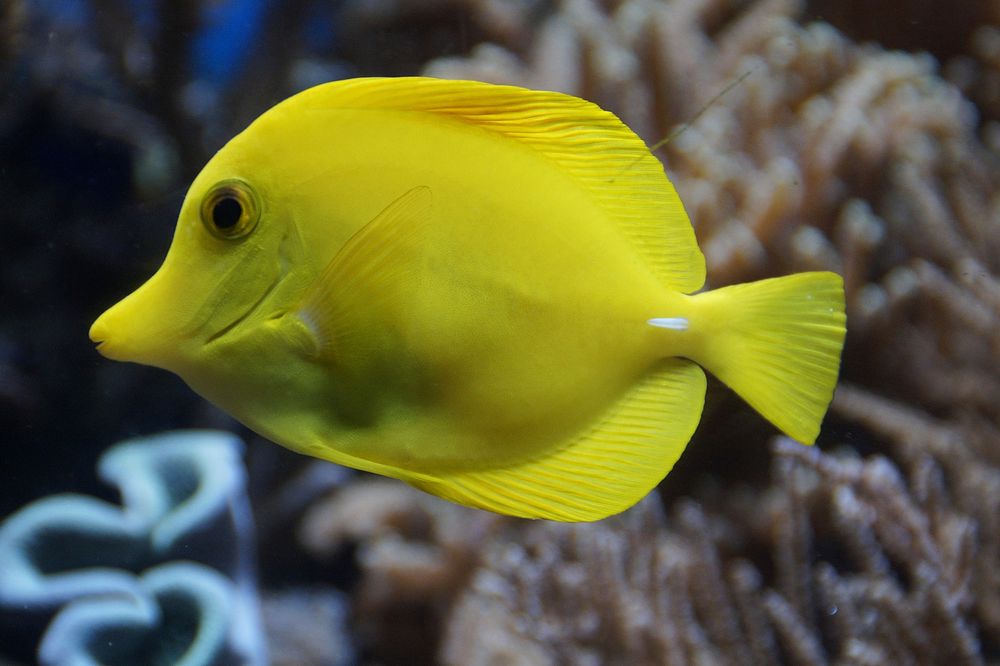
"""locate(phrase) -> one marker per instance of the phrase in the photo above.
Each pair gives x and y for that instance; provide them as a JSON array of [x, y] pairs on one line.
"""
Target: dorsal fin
[[592, 145]]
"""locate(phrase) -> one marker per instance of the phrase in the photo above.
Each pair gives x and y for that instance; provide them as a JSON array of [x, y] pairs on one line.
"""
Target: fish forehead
[[332, 171]]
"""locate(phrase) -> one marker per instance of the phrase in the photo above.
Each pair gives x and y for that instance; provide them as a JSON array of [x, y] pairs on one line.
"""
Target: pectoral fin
[[343, 313]]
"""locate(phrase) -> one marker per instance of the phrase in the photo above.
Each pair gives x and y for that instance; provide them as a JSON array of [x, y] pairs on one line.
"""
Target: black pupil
[[226, 212]]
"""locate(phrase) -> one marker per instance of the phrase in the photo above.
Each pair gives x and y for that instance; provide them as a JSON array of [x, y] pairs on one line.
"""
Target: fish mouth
[[225, 330], [98, 334]]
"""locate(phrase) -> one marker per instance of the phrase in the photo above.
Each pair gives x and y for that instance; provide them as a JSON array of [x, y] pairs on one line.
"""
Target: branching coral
[[953, 475], [841, 561], [306, 628], [977, 73], [414, 552]]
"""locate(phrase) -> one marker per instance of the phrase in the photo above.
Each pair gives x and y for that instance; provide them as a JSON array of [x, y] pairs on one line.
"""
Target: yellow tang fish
[[481, 290]]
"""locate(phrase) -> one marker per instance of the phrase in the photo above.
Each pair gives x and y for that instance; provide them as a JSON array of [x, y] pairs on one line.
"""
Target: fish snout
[[99, 333], [141, 328], [108, 335]]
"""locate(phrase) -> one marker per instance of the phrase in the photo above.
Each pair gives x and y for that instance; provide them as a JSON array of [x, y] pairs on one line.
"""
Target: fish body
[[482, 290]]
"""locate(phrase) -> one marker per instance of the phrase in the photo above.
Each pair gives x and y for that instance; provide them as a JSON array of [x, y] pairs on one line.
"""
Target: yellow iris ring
[[219, 215]]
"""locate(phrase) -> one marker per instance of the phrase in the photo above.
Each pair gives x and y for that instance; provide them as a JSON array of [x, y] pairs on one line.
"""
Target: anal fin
[[604, 470]]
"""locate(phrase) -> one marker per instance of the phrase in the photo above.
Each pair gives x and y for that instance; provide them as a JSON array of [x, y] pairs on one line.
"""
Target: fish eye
[[230, 210]]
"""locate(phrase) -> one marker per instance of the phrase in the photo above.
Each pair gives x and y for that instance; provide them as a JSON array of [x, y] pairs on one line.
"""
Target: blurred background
[[863, 139]]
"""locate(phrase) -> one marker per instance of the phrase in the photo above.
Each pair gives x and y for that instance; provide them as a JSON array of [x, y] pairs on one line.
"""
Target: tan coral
[[869, 566], [414, 553]]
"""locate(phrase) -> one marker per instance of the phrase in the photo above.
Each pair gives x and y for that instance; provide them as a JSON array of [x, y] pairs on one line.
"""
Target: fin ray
[[604, 470], [372, 267], [777, 343], [590, 144]]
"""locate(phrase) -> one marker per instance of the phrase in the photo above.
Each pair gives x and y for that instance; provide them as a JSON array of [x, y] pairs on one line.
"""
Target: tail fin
[[777, 343]]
